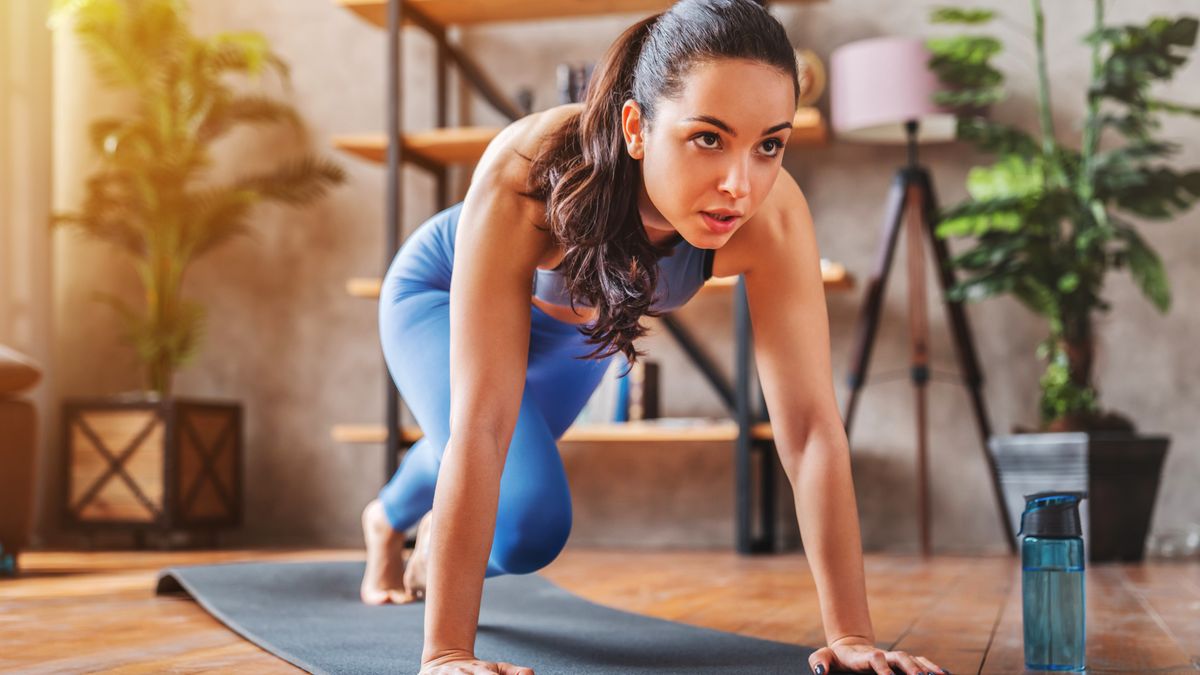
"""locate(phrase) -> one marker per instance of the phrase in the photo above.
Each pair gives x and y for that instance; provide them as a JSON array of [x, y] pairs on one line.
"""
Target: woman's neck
[[658, 229]]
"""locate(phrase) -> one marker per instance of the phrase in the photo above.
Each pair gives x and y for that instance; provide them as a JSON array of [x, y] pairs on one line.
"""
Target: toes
[[374, 597]]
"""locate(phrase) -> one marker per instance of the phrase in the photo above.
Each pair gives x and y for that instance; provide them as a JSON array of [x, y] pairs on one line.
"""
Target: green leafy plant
[[1048, 221], [151, 196]]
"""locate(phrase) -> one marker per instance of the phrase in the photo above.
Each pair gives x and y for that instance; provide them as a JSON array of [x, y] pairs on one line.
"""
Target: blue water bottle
[[1052, 589]]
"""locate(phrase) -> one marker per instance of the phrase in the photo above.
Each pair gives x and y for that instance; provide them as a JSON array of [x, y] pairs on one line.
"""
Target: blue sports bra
[[680, 276], [428, 255]]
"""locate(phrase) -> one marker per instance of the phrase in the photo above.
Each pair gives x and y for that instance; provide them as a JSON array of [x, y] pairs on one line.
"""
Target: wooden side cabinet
[[165, 464]]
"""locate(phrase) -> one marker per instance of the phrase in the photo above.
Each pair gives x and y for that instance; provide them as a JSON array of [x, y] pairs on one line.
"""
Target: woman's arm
[[791, 337], [497, 248]]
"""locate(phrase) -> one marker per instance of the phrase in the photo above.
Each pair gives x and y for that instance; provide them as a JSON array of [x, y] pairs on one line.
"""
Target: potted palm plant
[[1046, 222], [153, 459]]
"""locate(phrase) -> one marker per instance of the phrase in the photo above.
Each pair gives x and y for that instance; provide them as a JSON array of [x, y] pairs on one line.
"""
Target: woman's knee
[[533, 542]]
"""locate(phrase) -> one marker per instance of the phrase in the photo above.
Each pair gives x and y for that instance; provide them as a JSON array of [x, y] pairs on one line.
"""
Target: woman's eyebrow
[[725, 127]]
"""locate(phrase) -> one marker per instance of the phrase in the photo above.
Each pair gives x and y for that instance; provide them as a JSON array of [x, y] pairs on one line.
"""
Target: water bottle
[[1052, 589]]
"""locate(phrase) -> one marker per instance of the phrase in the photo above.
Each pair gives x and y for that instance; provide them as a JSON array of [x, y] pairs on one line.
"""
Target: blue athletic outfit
[[533, 517]]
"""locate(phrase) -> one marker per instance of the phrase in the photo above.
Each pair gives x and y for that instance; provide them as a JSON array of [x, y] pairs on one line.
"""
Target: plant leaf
[[1010, 177], [296, 182], [1146, 268], [963, 16], [248, 109], [996, 138]]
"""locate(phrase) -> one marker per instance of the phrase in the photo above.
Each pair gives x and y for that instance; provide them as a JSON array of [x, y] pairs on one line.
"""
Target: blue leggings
[[533, 518]]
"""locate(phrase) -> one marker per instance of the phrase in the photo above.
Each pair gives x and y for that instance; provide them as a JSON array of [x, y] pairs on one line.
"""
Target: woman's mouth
[[717, 223]]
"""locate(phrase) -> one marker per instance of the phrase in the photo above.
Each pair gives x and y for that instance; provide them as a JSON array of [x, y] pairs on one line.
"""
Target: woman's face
[[718, 147]]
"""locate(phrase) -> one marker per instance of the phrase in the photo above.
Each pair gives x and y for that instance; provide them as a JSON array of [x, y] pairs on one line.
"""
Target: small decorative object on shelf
[[812, 76], [525, 99], [583, 75], [8, 563], [565, 83], [571, 81]]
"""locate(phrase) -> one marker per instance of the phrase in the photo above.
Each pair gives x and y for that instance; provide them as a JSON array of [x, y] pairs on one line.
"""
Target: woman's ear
[[631, 128]]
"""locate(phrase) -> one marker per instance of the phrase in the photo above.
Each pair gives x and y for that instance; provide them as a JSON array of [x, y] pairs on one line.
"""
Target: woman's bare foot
[[383, 581], [415, 571]]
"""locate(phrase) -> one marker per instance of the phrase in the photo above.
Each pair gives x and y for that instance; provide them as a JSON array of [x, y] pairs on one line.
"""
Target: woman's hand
[[859, 655], [465, 663]]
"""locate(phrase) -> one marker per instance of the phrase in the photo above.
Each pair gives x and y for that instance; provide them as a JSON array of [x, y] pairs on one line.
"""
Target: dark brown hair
[[590, 184]]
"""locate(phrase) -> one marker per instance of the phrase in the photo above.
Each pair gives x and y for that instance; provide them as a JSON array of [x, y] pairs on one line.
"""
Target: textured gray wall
[[285, 340]]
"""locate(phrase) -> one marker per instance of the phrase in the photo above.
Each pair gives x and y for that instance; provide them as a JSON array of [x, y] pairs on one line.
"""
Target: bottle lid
[[1052, 514]]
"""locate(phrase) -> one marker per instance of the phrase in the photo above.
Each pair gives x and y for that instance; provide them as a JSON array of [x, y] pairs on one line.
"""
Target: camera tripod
[[912, 191]]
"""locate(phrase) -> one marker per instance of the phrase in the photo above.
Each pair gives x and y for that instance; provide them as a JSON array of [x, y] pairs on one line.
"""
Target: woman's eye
[[772, 145], [775, 144]]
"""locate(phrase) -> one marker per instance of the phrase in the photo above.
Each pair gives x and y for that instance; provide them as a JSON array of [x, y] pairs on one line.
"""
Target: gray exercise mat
[[309, 614]]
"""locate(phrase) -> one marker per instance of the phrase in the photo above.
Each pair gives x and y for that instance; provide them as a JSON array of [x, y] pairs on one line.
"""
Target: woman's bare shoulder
[[506, 162], [503, 174], [510, 151], [540, 124]]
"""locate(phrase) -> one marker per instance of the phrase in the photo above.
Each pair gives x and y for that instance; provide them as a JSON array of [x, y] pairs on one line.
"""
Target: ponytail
[[590, 186]]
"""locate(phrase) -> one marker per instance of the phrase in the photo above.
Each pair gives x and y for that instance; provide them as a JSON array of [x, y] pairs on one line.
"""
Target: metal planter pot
[[1120, 472]]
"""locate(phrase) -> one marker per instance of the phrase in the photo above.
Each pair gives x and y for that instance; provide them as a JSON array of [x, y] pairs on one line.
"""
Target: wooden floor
[[96, 612]]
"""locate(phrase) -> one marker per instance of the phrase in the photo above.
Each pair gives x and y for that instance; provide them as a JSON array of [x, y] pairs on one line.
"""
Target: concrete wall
[[284, 339]]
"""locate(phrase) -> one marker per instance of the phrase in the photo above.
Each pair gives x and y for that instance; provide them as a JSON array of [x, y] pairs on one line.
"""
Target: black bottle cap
[[1052, 514]]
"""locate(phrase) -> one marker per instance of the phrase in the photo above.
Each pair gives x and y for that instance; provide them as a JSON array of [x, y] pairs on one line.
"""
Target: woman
[[615, 209]]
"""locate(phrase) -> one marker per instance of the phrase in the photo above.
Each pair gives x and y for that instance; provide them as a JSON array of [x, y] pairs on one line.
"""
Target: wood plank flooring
[[96, 611]]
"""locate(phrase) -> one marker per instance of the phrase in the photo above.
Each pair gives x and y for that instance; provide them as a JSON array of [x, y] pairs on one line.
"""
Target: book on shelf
[[643, 391], [623, 399]]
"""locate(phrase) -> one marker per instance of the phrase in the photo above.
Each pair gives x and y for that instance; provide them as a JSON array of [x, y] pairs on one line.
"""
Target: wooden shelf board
[[639, 431], [465, 145], [460, 145], [364, 287], [466, 12]]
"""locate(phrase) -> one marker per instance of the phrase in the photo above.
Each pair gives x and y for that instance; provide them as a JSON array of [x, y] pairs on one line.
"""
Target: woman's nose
[[736, 181]]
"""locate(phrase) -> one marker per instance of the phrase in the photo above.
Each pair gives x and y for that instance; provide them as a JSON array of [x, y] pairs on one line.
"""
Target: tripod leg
[[918, 333], [965, 348], [868, 320]]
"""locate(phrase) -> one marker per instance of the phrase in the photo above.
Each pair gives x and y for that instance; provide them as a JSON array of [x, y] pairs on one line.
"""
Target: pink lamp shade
[[878, 84]]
